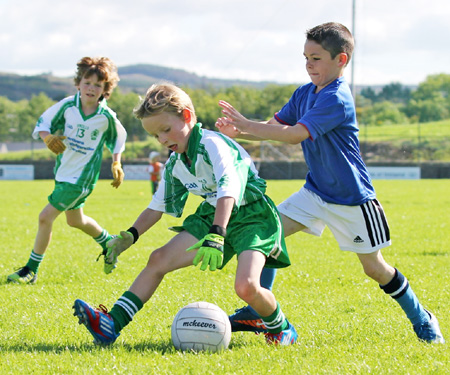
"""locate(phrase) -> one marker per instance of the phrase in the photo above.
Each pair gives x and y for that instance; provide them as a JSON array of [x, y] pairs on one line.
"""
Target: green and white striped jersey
[[220, 168], [80, 163]]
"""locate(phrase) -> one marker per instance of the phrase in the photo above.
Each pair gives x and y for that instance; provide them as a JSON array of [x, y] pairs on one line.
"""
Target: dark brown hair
[[333, 37]]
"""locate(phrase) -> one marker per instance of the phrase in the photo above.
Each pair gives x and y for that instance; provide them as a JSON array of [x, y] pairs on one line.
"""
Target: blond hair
[[165, 97]]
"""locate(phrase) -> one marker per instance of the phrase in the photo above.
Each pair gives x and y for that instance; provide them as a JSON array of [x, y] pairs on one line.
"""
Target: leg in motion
[[246, 318], [395, 284], [28, 273], [248, 287], [77, 219], [106, 327]]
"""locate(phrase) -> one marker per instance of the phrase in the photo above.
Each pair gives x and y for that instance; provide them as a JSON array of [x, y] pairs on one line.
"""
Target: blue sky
[[396, 40]]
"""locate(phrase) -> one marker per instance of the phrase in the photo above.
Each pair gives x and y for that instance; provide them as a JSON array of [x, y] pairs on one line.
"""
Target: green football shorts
[[66, 196], [255, 226]]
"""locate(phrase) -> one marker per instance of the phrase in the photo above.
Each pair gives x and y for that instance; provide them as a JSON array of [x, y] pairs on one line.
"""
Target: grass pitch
[[346, 324]]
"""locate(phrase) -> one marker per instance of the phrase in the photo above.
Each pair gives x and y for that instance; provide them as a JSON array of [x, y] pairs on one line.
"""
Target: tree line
[[392, 104]]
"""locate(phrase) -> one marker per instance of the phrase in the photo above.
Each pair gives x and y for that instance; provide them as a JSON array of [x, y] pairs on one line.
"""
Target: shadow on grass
[[162, 347], [166, 347], [435, 253]]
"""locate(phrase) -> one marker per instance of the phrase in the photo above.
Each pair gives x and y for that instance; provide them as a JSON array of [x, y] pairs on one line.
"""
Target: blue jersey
[[337, 172]]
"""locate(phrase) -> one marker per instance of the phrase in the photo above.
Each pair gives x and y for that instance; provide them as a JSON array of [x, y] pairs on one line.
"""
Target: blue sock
[[398, 288], [266, 280], [268, 277]]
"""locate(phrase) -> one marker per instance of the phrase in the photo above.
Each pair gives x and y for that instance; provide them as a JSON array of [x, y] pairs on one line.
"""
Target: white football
[[201, 326]]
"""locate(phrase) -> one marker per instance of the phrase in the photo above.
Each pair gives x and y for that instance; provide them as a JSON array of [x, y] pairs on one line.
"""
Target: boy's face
[[170, 130], [91, 89], [320, 66]]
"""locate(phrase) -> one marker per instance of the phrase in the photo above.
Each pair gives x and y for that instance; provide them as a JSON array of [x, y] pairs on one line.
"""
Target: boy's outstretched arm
[[228, 126], [272, 129], [144, 222]]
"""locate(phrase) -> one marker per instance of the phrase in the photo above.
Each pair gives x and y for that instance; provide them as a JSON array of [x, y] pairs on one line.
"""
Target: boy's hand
[[55, 143], [118, 245], [234, 117], [226, 127], [210, 251], [118, 174]]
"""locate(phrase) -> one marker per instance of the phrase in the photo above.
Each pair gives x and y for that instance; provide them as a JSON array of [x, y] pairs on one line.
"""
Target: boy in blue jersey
[[76, 130], [338, 192], [235, 218]]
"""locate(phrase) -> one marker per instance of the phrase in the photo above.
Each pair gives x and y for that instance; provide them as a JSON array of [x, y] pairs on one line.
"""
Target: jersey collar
[[100, 108], [194, 140]]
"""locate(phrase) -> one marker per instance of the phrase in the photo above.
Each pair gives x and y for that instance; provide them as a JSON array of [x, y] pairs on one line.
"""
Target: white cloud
[[399, 40]]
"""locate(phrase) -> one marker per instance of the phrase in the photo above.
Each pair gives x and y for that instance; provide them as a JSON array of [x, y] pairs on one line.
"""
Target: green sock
[[124, 310], [34, 261], [276, 322], [103, 239]]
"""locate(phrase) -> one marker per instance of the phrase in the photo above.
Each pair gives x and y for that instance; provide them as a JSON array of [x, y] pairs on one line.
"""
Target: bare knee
[[155, 258], [382, 273], [371, 270], [158, 261], [73, 222], [45, 219], [376, 268], [246, 290]]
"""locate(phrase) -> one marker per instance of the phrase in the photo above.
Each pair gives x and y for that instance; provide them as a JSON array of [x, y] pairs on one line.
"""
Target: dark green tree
[[394, 92], [369, 93], [30, 113], [123, 105]]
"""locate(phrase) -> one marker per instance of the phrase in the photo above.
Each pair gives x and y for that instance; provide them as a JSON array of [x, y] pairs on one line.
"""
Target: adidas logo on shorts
[[358, 240]]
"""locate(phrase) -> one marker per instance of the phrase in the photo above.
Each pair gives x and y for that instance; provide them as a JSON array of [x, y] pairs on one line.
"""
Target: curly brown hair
[[103, 67]]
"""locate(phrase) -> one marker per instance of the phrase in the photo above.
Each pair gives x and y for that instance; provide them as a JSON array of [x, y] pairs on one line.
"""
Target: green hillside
[[135, 78], [16, 87]]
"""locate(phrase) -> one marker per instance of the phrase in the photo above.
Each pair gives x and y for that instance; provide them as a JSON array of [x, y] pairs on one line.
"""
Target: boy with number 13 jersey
[[76, 129], [81, 161]]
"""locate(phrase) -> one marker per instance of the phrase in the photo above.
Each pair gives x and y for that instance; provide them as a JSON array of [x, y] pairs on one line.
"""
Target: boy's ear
[[343, 59], [187, 116]]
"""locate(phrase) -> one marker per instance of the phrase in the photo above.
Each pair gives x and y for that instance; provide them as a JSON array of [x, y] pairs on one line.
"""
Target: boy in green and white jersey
[[236, 217], [76, 129]]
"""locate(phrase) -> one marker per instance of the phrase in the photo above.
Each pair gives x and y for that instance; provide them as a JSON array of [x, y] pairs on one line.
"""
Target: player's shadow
[[47, 348], [163, 347]]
